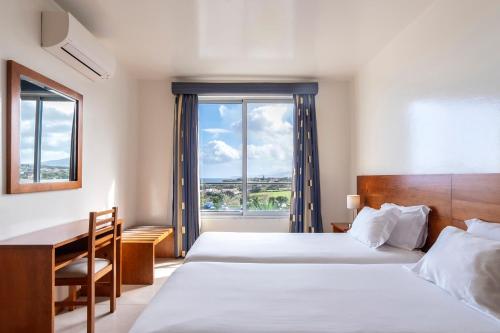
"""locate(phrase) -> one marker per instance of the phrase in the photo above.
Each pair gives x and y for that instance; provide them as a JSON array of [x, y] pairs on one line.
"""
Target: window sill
[[243, 217]]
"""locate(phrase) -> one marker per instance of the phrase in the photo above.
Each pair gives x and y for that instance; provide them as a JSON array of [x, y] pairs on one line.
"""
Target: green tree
[[217, 199], [282, 201], [272, 203], [256, 203]]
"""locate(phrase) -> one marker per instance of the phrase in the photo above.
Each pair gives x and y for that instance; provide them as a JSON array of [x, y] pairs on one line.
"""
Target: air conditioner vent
[[78, 56], [67, 39]]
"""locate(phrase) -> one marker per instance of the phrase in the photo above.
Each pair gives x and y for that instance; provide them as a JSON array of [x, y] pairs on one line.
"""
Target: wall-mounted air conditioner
[[70, 41]]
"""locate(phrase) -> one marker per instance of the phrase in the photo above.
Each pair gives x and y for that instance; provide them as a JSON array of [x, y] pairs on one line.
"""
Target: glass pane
[[220, 157], [57, 125], [269, 196], [27, 140], [221, 197], [270, 156]]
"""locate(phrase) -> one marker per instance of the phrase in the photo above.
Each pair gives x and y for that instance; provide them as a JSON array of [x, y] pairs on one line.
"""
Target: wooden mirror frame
[[14, 73]]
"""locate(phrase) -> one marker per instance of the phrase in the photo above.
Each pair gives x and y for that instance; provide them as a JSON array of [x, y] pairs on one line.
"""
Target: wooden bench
[[140, 246]]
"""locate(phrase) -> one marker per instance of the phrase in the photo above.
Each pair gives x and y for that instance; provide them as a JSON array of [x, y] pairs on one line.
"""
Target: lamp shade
[[353, 201]]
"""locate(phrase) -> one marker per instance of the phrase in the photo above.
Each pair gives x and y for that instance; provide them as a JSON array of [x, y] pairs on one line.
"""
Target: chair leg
[[112, 296], [72, 296], [90, 306]]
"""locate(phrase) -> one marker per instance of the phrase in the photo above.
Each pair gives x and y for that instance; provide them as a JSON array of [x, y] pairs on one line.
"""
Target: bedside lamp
[[353, 203]]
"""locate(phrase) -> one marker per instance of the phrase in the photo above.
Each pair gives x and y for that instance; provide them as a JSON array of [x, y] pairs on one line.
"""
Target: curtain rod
[[245, 88]]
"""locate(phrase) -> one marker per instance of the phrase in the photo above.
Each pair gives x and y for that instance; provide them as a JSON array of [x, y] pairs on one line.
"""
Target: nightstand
[[340, 227]]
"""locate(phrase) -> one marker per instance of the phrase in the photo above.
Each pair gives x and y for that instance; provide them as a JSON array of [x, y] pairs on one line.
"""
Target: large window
[[246, 156]]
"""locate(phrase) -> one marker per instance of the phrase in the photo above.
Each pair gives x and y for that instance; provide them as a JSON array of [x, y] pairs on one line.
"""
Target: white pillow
[[484, 229], [373, 227], [466, 266], [411, 230]]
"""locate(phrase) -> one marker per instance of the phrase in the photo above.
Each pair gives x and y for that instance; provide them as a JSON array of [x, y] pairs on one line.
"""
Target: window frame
[[15, 74], [244, 101]]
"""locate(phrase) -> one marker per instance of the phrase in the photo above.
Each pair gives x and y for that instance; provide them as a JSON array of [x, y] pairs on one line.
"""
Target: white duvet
[[293, 248], [238, 297]]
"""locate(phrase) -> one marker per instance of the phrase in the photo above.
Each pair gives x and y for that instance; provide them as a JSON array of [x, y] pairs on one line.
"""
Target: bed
[[292, 248], [296, 297], [246, 297], [431, 190]]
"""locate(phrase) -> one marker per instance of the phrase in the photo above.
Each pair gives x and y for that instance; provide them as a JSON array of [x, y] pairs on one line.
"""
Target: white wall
[[430, 101], [154, 179], [334, 109], [155, 158], [109, 131]]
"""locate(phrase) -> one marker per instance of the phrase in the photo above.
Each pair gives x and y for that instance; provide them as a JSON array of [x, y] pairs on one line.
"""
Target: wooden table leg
[[27, 289], [72, 291]]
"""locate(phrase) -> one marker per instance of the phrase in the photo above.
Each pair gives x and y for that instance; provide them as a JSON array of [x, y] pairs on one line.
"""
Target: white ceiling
[[227, 39]]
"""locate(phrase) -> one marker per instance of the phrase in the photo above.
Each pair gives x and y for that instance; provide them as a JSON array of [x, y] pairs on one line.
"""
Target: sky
[[57, 122], [270, 135]]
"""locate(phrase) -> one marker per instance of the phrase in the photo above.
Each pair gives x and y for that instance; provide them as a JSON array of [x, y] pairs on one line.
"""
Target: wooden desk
[[27, 269]]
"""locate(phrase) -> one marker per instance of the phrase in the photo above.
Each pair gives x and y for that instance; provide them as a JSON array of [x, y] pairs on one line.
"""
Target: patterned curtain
[[185, 189], [306, 195]]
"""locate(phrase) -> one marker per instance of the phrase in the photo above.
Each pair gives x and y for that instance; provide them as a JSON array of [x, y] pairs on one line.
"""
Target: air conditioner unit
[[70, 41]]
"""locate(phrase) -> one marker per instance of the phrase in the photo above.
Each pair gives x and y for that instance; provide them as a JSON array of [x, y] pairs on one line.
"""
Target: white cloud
[[269, 119], [270, 134], [268, 152], [217, 151], [50, 155], [56, 141], [273, 159], [222, 110], [216, 131], [270, 140]]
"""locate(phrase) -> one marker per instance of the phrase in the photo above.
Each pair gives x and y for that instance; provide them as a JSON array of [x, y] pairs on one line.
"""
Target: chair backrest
[[102, 233]]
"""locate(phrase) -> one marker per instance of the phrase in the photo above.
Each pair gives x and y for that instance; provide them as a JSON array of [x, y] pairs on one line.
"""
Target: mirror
[[45, 133]]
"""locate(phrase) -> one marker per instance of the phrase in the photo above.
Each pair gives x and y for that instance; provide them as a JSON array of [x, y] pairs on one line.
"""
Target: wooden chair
[[102, 234]]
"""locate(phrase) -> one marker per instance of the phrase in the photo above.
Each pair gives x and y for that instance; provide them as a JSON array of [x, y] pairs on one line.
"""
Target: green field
[[265, 199], [269, 200], [268, 194]]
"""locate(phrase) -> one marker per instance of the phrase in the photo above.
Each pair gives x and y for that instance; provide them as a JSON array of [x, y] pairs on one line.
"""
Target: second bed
[[293, 248]]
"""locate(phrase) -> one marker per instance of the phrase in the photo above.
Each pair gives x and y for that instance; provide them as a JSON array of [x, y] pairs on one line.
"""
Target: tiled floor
[[129, 305]]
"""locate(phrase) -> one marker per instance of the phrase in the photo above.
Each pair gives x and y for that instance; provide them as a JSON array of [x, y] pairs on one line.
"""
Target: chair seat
[[78, 268]]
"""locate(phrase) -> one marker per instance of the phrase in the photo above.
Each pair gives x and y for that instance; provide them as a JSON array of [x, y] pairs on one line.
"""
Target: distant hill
[[57, 163]]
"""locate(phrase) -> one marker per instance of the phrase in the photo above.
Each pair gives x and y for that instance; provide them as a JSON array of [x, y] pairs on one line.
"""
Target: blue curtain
[[185, 204], [305, 215]]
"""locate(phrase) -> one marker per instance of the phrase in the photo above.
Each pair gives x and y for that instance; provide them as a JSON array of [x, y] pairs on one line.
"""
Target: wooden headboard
[[452, 198]]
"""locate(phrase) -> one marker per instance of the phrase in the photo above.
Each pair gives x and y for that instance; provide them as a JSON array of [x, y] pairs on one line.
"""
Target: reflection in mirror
[[47, 130]]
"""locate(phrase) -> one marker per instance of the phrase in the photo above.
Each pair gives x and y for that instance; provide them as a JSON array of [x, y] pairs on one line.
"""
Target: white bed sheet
[[212, 297], [293, 248]]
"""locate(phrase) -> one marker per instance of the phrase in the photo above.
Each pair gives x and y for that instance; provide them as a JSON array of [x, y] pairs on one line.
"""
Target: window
[[246, 156], [46, 135]]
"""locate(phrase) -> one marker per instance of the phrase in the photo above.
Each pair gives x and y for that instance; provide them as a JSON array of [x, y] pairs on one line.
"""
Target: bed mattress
[[292, 248], [238, 297]]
